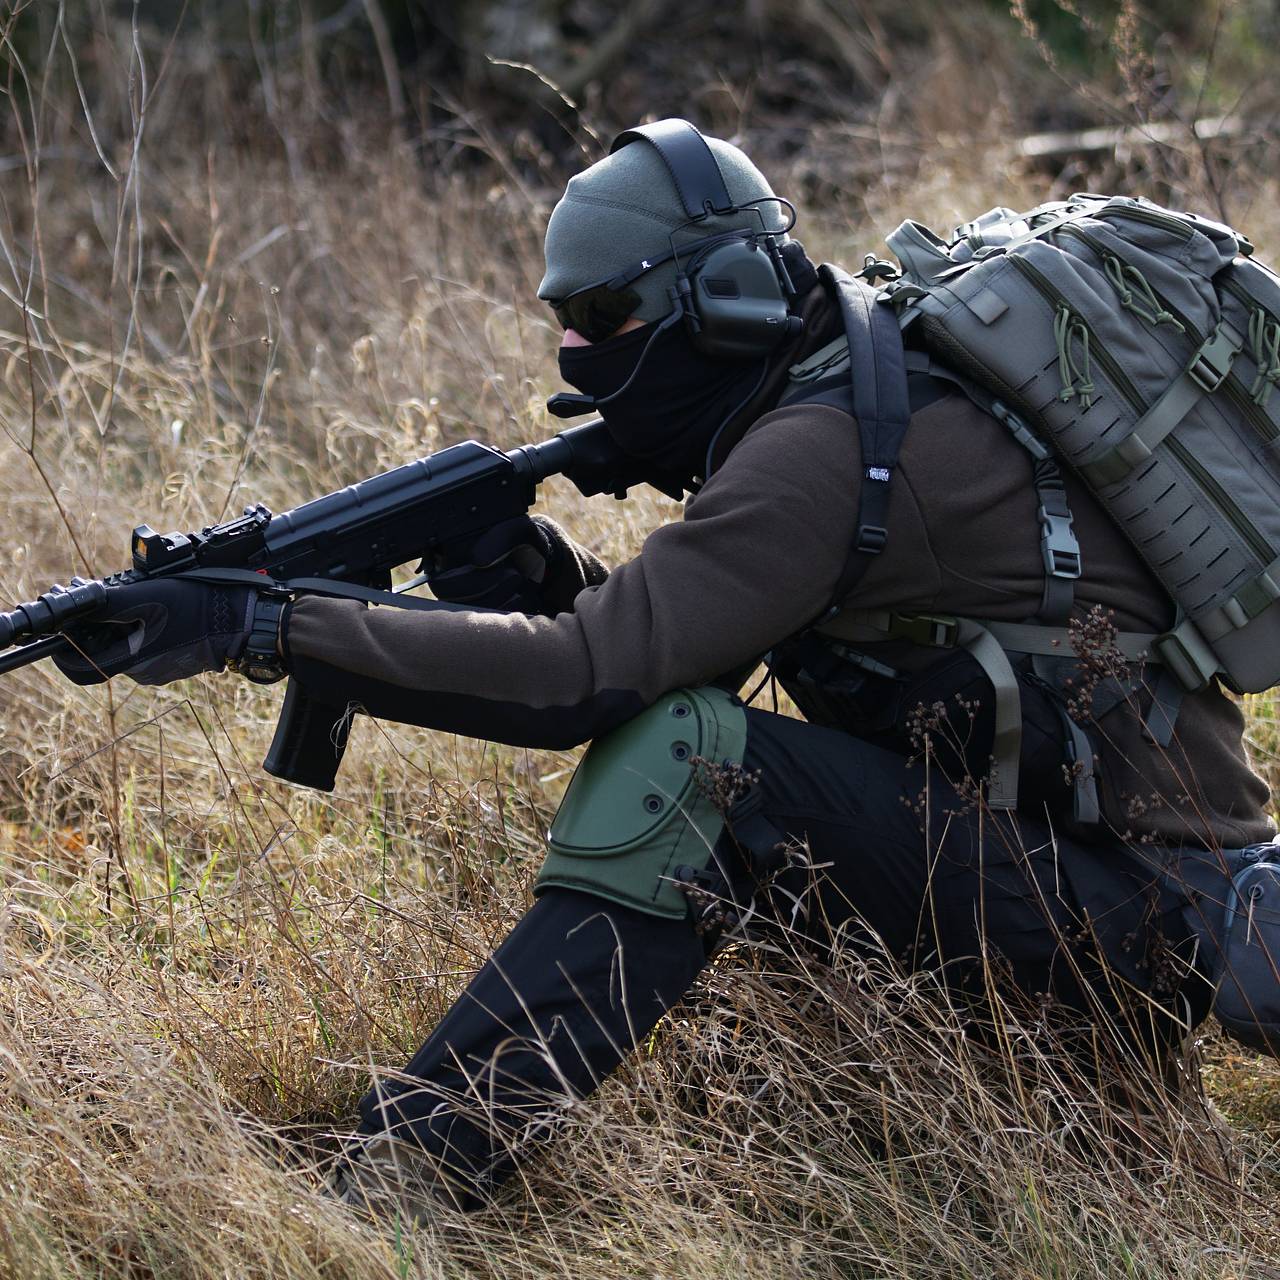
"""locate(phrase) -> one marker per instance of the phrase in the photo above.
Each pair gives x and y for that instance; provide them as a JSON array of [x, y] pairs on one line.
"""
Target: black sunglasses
[[598, 310]]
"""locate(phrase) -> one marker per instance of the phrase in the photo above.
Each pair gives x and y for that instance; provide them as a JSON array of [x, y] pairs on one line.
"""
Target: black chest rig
[[1008, 703]]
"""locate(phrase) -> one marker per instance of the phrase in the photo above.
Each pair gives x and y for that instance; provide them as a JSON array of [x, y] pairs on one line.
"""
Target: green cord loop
[[1264, 339], [1076, 378], [1061, 335], [1085, 387], [1127, 279], [1114, 269]]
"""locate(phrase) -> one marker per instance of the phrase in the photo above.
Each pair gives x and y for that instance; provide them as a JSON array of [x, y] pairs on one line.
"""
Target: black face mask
[[677, 403]]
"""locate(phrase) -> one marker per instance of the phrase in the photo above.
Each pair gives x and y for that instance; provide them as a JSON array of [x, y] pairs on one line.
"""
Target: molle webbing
[[1204, 374]]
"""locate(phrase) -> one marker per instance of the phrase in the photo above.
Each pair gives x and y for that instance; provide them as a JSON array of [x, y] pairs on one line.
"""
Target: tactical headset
[[733, 291]]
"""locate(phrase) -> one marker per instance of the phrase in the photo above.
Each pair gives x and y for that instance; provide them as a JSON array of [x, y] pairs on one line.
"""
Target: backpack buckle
[[1019, 429], [1185, 653], [937, 631], [871, 539], [1058, 545], [1211, 364], [874, 269]]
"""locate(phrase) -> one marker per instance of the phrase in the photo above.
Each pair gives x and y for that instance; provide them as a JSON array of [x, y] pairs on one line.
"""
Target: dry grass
[[199, 966]]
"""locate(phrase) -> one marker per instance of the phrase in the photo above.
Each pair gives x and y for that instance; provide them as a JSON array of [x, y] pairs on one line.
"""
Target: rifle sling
[[332, 587]]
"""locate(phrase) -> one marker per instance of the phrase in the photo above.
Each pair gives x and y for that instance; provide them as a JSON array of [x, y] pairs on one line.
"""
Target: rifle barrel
[[25, 654]]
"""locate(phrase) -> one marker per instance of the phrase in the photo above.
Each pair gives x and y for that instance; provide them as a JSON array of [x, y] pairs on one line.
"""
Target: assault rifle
[[355, 536]]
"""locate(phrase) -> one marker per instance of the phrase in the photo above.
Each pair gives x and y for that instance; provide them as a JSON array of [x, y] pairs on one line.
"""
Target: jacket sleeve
[[756, 557]]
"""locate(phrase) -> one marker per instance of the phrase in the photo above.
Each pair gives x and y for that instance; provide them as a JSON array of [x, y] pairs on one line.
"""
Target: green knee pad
[[634, 812]]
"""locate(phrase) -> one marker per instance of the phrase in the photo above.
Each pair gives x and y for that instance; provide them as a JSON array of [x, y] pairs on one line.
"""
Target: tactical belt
[[990, 644]]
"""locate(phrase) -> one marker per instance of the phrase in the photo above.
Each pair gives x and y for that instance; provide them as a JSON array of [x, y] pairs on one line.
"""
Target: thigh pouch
[[634, 811], [1247, 972]]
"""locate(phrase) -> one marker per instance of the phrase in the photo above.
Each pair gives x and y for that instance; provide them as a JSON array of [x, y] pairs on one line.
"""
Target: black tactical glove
[[158, 630], [527, 564]]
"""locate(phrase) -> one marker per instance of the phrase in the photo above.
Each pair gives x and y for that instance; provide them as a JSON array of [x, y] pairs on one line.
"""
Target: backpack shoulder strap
[[881, 406]]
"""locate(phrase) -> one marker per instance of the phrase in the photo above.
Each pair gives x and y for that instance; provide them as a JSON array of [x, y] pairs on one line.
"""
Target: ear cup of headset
[[735, 306]]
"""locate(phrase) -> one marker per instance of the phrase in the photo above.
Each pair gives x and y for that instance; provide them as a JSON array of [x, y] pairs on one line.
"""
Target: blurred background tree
[[838, 86]]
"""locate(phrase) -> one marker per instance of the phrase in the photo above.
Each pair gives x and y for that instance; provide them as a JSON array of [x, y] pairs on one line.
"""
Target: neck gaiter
[[676, 404]]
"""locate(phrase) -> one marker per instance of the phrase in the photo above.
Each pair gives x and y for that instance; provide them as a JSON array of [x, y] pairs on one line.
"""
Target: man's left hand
[[527, 564], [158, 630]]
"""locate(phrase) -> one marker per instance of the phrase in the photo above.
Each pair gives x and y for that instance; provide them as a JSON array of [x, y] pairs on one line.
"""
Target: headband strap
[[691, 163]]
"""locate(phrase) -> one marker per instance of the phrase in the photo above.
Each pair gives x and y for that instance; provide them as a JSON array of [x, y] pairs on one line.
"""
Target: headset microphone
[[565, 404]]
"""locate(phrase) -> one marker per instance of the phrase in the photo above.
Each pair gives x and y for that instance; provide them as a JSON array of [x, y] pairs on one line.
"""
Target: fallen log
[[1043, 146]]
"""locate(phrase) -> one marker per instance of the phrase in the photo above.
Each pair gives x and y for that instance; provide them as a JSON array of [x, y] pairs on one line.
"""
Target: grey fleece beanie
[[625, 207]]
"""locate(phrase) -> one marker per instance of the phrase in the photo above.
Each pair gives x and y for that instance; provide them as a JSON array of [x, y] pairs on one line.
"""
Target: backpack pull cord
[[1147, 306], [1264, 338], [1066, 325]]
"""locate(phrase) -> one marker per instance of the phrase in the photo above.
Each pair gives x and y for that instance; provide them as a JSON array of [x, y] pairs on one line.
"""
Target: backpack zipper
[[1152, 217], [1120, 380], [1252, 414], [1254, 307], [1245, 299]]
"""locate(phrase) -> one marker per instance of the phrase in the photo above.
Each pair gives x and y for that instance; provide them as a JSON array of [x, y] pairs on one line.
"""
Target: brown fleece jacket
[[756, 558]]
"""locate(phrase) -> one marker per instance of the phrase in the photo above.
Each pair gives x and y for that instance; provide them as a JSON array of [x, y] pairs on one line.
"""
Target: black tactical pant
[[580, 981]]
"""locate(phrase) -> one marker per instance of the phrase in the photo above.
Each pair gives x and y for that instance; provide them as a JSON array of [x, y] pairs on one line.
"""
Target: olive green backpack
[[1137, 346], [1142, 345]]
